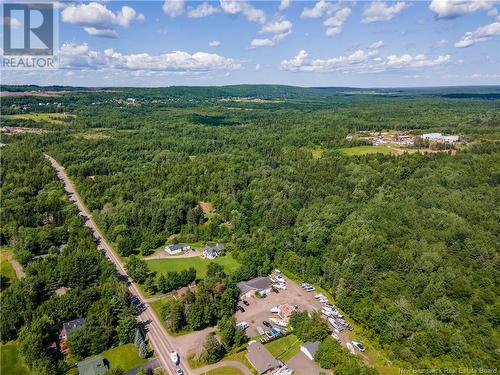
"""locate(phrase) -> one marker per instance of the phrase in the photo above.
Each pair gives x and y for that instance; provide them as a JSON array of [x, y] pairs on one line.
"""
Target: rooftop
[[73, 325], [92, 366], [259, 283], [261, 358]]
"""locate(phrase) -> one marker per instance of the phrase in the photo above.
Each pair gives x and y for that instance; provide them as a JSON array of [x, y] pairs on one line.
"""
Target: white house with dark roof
[[177, 248], [212, 252]]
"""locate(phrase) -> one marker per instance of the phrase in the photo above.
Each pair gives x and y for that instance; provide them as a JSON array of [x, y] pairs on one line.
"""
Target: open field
[[284, 348], [6, 268], [198, 263], [53, 118], [365, 150], [125, 357], [11, 363]]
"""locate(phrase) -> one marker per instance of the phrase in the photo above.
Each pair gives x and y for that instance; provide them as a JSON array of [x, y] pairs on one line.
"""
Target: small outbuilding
[[260, 285], [177, 248], [261, 359], [310, 349], [93, 366]]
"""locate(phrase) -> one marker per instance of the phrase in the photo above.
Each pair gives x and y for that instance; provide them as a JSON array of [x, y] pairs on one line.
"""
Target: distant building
[[93, 366], [260, 285], [69, 327], [309, 349], [212, 252], [261, 359], [440, 138], [177, 248]]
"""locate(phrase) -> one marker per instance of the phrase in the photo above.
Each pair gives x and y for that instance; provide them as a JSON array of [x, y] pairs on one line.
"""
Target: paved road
[[158, 336], [238, 365]]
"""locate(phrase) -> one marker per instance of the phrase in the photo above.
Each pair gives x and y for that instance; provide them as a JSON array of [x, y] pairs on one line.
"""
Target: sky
[[302, 43]]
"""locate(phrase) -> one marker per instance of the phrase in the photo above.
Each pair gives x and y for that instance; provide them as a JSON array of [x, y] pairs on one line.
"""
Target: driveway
[[191, 343], [301, 365]]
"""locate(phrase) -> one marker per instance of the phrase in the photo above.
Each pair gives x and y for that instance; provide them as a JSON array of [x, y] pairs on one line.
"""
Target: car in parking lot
[[358, 346], [279, 278], [179, 372], [267, 324], [240, 308], [245, 302], [242, 325]]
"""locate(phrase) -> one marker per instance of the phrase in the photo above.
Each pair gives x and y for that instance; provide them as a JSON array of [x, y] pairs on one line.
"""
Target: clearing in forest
[[52, 118]]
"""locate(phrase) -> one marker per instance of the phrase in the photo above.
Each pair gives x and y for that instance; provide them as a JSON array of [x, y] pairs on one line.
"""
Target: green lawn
[[240, 357], [200, 264], [124, 356], [6, 268], [284, 348], [11, 363], [226, 370], [365, 150], [53, 118]]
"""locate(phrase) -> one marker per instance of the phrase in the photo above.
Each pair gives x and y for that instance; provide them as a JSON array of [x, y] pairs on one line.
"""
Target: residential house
[[212, 252], [261, 359], [177, 248], [310, 349], [93, 366], [261, 285], [67, 329]]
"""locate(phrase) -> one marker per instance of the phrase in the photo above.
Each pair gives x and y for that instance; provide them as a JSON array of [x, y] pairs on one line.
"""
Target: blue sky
[[305, 43]]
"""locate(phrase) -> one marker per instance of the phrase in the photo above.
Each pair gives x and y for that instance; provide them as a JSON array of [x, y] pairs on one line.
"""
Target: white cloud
[[440, 43], [377, 45], [203, 10], [493, 12], [334, 24], [98, 20], [214, 43], [284, 4], [12, 22], [484, 76], [280, 26], [257, 67], [173, 8], [235, 6], [481, 34], [456, 8], [103, 33], [266, 42], [361, 61], [381, 11], [320, 9], [80, 56]]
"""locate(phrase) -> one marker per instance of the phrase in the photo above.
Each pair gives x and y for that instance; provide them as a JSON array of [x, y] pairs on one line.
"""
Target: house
[[310, 349], [260, 285], [212, 252], [93, 366], [69, 327], [177, 248], [261, 359]]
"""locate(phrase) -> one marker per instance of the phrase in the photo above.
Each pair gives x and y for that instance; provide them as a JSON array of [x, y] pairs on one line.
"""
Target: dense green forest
[[408, 245], [66, 276]]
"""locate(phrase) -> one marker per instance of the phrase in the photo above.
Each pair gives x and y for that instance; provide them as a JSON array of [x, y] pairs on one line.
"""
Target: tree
[[213, 350], [137, 269], [307, 328], [126, 329], [143, 350]]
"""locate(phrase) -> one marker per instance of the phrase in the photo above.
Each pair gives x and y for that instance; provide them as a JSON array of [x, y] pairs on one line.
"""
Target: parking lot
[[259, 308]]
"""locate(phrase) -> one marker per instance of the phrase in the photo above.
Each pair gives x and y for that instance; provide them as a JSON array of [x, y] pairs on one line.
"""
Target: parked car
[[245, 302], [240, 308], [174, 357], [335, 337], [358, 346], [267, 324], [279, 278], [179, 372], [242, 325]]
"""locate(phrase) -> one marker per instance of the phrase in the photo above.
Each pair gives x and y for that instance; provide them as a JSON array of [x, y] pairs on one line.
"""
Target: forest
[[407, 245]]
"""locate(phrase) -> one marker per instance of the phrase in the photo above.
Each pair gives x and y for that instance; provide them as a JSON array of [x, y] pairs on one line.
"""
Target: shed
[[310, 349]]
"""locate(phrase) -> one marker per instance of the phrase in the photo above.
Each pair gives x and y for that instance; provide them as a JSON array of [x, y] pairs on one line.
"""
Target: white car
[[280, 286], [174, 357], [275, 310], [358, 346], [351, 348], [260, 330], [179, 372], [280, 278], [242, 325], [335, 337]]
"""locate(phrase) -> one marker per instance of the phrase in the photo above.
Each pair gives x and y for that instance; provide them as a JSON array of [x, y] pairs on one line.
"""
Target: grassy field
[[6, 268], [198, 263], [365, 150], [53, 118], [226, 370], [11, 363], [124, 356], [284, 348]]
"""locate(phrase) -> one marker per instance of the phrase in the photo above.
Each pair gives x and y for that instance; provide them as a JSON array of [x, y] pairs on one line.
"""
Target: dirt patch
[[93, 136], [207, 207]]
